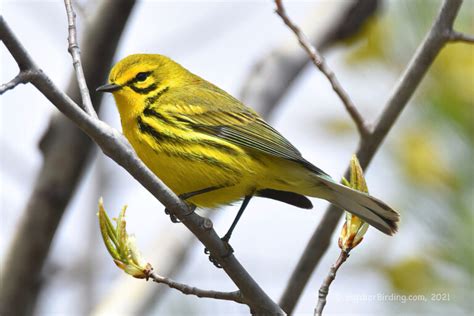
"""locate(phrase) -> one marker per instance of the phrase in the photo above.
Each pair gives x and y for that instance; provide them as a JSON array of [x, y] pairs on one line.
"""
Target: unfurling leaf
[[121, 246], [354, 228]]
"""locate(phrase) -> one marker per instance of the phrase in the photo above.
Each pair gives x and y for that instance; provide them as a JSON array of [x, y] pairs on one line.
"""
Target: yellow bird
[[211, 149]]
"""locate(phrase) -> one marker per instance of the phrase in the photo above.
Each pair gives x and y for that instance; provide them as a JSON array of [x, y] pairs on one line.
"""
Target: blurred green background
[[434, 152]]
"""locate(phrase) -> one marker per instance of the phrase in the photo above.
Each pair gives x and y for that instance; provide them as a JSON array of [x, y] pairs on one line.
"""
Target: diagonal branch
[[114, 145], [235, 296], [76, 58], [403, 91], [319, 62]]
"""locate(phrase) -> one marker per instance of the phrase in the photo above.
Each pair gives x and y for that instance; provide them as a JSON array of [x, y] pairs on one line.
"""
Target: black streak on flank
[[179, 141], [160, 137], [147, 129], [150, 112], [183, 120]]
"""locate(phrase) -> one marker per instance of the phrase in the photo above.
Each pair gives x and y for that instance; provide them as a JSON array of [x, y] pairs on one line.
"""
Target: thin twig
[[455, 36], [318, 61], [235, 296], [324, 289], [23, 77], [116, 146], [273, 75], [76, 58], [401, 94]]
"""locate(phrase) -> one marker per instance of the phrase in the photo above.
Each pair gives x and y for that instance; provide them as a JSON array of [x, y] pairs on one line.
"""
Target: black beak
[[110, 87]]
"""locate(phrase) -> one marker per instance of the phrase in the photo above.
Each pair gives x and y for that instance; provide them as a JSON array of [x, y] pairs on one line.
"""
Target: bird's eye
[[141, 76]]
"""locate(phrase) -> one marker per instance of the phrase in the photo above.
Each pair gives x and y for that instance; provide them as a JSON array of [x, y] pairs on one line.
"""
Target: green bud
[[120, 245], [354, 228]]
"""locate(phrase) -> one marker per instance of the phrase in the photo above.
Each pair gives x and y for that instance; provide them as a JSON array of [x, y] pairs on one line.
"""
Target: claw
[[213, 259], [173, 218], [214, 262]]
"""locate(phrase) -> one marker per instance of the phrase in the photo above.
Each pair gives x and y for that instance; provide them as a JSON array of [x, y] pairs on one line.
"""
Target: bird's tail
[[368, 208]]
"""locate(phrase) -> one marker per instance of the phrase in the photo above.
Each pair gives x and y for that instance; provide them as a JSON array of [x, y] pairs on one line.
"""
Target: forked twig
[[318, 61]]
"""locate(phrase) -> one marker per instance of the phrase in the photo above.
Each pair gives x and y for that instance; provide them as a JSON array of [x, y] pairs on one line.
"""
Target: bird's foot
[[174, 219], [230, 251]]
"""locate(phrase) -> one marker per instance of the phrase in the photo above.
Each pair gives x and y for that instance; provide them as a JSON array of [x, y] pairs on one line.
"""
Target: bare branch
[[319, 62], [272, 76], [114, 145], [54, 187], [403, 91], [235, 296], [23, 77], [455, 36], [324, 289], [76, 57]]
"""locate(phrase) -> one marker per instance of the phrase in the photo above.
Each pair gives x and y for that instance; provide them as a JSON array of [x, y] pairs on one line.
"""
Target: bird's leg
[[188, 195], [246, 201], [226, 237]]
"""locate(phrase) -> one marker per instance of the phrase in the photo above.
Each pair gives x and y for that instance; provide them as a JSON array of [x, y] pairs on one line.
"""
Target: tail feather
[[370, 209]]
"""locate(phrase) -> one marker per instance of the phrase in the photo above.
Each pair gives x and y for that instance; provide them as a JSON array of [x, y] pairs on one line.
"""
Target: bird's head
[[139, 77]]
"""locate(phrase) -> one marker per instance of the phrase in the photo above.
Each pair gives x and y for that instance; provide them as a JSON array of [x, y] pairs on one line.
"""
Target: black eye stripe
[[141, 76]]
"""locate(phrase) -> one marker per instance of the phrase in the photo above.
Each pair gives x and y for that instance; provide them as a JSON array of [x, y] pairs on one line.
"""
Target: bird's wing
[[243, 127]]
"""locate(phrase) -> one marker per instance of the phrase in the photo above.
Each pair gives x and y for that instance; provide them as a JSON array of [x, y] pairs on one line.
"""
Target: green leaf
[[105, 232]]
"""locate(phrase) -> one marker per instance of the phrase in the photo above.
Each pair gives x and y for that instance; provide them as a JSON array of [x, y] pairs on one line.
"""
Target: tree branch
[[114, 145], [455, 36], [272, 76], [23, 77], [318, 61], [403, 91], [235, 296], [76, 59], [26, 255], [324, 289]]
